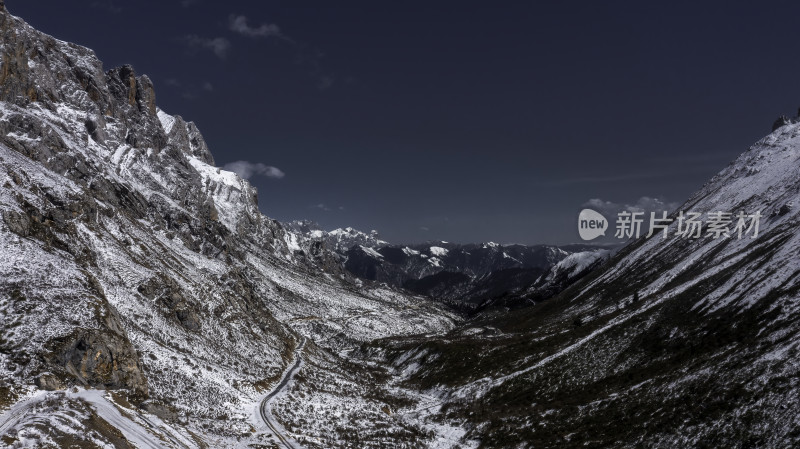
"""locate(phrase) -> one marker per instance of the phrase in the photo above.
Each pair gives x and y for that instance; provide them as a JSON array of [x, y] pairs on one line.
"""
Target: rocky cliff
[[131, 263]]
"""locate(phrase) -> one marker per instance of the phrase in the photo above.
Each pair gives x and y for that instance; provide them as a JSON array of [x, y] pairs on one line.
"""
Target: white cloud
[[208, 87], [644, 204], [219, 45], [247, 170], [238, 24], [321, 206]]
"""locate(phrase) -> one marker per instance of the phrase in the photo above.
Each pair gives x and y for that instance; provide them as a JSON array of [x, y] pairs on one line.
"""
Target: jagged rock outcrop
[[784, 120], [102, 133], [186, 136]]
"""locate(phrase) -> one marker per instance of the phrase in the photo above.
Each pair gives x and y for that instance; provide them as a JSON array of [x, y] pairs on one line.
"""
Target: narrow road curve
[[265, 409]]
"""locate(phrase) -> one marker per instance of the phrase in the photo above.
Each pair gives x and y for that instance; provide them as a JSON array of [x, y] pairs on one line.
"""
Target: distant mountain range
[[469, 277]]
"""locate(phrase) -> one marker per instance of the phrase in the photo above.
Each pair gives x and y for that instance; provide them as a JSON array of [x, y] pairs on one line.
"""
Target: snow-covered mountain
[[339, 240], [676, 342], [146, 302], [466, 277], [398, 263], [131, 264]]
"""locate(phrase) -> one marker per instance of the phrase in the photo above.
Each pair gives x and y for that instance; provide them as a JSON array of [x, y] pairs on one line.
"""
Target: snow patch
[[439, 251]]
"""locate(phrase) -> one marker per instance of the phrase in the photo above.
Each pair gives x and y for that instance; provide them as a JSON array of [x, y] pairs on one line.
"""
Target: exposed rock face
[[167, 293], [133, 103], [186, 136], [102, 359], [62, 111]]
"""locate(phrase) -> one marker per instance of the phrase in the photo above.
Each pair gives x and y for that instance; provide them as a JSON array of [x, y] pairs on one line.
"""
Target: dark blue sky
[[463, 121]]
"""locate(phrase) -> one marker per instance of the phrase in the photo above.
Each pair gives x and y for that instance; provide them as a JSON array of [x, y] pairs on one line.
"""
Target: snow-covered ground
[[131, 264]]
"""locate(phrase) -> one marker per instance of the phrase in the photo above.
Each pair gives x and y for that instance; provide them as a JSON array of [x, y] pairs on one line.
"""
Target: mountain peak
[[128, 259]]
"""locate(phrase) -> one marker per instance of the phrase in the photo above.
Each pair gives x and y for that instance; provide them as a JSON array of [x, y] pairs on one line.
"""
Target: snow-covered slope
[[131, 263], [677, 342]]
